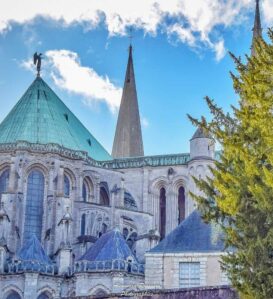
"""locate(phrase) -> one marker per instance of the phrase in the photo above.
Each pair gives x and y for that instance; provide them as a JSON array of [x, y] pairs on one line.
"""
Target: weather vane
[[37, 60]]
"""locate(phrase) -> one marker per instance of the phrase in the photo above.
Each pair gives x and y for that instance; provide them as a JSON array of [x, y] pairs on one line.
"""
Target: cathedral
[[77, 221]]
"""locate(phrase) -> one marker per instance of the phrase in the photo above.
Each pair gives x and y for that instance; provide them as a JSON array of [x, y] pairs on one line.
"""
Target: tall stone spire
[[128, 136], [257, 29]]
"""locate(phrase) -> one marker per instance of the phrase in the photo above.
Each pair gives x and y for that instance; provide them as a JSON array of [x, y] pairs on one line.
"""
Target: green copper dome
[[41, 117]]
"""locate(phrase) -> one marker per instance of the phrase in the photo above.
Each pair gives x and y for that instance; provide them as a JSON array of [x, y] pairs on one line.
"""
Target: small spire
[[257, 29]]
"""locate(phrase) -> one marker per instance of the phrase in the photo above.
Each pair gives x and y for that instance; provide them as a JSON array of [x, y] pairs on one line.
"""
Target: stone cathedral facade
[[76, 221]]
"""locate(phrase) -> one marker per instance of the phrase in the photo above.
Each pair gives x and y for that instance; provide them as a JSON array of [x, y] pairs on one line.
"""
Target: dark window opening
[[181, 204], [162, 223], [104, 194], [66, 186]]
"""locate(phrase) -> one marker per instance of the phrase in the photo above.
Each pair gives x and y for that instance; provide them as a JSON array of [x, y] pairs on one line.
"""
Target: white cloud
[[193, 22], [220, 50], [268, 11], [70, 75]]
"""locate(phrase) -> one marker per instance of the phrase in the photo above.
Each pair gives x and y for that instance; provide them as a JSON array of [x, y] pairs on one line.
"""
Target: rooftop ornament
[[37, 60]]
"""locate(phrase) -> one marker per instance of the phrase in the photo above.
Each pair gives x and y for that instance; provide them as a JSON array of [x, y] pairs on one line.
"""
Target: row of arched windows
[[35, 199], [15, 295], [162, 209]]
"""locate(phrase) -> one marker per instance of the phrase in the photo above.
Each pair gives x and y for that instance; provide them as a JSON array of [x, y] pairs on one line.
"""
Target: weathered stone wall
[[223, 292], [162, 270]]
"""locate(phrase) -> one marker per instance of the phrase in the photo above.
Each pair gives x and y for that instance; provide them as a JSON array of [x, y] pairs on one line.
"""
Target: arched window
[[85, 191], [162, 223], [13, 295], [34, 205], [83, 224], [43, 296], [104, 194], [181, 204], [66, 186], [4, 180]]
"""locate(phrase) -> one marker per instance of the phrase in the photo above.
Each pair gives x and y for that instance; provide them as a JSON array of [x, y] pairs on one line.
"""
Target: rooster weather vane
[[37, 60]]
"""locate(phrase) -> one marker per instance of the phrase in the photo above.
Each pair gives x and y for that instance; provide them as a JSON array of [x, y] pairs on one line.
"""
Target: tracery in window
[[34, 205]]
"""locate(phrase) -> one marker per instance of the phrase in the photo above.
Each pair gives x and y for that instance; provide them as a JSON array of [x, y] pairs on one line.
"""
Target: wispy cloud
[[193, 22], [69, 74]]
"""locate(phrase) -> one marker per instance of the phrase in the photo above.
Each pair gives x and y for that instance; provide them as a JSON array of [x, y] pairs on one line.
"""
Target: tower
[[128, 136], [201, 145], [257, 29]]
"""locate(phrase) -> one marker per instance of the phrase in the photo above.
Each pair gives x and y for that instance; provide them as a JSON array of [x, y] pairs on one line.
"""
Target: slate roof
[[110, 246], [41, 117], [199, 133], [32, 250], [192, 235]]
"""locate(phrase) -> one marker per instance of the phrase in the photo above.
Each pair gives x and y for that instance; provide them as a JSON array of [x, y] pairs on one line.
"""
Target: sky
[[180, 52]]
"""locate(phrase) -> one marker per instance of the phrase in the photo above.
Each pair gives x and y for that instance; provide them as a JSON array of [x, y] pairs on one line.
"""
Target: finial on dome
[[37, 60]]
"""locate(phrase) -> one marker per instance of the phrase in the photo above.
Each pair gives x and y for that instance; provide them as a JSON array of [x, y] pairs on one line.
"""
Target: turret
[[201, 145]]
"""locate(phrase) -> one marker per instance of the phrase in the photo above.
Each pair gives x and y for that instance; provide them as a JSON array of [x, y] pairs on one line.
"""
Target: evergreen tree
[[239, 196]]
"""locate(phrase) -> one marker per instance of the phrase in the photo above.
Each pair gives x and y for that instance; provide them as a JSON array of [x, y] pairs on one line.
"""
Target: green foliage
[[240, 195]]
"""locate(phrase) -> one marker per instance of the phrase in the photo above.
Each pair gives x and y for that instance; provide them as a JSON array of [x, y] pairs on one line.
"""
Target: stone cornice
[[138, 162]]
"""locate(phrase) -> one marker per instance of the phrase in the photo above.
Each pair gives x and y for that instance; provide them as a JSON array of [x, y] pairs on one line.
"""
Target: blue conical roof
[[193, 235], [41, 117], [110, 246], [32, 250]]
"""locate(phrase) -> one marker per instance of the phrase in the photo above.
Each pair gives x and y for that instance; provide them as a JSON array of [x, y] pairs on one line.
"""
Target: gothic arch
[[40, 166], [104, 194], [11, 288], [99, 289], [180, 189], [89, 184], [158, 183], [179, 181], [47, 290], [72, 177], [4, 166]]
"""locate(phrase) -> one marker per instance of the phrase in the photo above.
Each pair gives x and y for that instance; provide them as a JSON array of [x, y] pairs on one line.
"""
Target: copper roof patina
[[40, 117]]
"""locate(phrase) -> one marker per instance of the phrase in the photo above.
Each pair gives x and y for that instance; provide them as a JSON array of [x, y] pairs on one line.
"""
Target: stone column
[[169, 209], [3, 253], [12, 178], [118, 283], [65, 259], [51, 181], [97, 189], [121, 195], [31, 282], [60, 182], [145, 191], [155, 205]]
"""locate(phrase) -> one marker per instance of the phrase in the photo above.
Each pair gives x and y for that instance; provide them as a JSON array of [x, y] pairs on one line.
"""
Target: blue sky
[[179, 58]]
